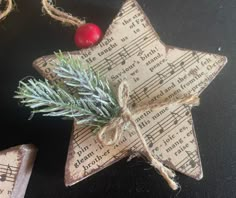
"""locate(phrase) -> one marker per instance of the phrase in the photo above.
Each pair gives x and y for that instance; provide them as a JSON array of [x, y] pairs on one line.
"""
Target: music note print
[[187, 110], [150, 139], [124, 55], [182, 63], [172, 68], [176, 116], [161, 128], [161, 77], [196, 56], [192, 162], [145, 89], [7, 173], [110, 63], [140, 51]]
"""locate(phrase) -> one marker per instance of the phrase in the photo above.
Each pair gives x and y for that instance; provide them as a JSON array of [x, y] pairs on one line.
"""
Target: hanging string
[[61, 16], [7, 10]]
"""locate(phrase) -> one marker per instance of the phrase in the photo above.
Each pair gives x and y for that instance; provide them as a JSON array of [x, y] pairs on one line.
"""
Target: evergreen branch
[[94, 104]]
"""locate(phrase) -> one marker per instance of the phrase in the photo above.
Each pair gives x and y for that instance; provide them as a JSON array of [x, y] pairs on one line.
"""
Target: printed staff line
[[153, 88], [126, 6], [12, 167], [165, 68], [4, 170], [165, 120], [82, 133], [146, 132], [171, 128], [84, 137], [7, 180], [166, 128], [183, 162], [175, 111], [8, 177], [154, 82], [130, 48], [136, 142], [148, 42], [115, 53], [176, 62], [126, 12], [197, 166], [186, 163], [7, 170]]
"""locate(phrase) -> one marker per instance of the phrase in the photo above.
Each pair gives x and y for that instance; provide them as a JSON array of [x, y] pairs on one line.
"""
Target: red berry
[[87, 35]]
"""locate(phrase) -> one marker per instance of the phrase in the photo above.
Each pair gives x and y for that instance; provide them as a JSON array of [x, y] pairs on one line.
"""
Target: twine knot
[[112, 132]]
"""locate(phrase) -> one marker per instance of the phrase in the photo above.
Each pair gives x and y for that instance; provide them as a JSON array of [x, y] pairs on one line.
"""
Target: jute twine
[[7, 10], [112, 132], [59, 15]]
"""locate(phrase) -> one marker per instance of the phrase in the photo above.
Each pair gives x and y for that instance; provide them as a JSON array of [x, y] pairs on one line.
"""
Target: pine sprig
[[94, 104]]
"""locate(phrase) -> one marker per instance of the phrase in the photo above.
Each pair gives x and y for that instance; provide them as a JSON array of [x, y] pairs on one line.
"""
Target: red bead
[[87, 35]]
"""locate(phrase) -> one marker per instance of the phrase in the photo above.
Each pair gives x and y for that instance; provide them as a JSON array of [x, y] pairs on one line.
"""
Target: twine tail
[[8, 9], [166, 173], [59, 15]]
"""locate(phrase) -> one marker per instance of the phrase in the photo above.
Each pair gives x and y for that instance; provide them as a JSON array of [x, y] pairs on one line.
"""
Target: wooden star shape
[[132, 49]]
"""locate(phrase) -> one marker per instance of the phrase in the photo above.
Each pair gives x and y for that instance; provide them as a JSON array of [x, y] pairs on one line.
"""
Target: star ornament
[[132, 49]]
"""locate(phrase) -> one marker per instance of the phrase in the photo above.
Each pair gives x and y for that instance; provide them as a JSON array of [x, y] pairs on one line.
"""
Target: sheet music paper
[[15, 169], [132, 49]]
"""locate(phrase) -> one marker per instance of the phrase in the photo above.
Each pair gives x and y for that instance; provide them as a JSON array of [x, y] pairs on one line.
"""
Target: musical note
[[161, 77], [161, 128], [187, 110], [182, 65], [120, 14], [150, 138], [8, 173], [175, 116], [192, 163], [124, 55], [196, 56], [145, 38], [110, 63], [172, 67], [145, 89], [140, 51]]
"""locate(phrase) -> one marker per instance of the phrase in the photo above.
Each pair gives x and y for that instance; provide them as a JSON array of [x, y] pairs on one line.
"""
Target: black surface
[[203, 25]]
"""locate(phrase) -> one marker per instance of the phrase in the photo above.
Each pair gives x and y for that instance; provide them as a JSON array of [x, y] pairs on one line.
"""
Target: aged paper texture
[[131, 49], [15, 169]]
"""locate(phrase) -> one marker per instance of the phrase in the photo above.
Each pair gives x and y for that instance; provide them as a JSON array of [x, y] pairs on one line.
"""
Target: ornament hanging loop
[[61, 16]]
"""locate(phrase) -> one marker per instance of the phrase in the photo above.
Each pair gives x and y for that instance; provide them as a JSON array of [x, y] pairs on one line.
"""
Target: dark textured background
[[202, 25]]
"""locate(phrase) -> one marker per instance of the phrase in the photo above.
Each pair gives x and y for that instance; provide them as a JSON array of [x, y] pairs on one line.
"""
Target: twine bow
[[112, 132]]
